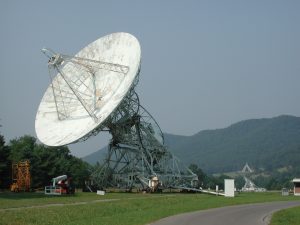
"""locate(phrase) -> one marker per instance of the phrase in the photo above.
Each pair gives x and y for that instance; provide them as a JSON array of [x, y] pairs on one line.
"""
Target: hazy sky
[[205, 64]]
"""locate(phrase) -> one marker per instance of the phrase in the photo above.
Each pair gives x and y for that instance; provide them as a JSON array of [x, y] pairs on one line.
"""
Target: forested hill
[[95, 157], [263, 143], [267, 144]]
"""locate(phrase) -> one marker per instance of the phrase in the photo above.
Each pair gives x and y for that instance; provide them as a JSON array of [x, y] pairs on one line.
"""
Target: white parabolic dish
[[110, 88]]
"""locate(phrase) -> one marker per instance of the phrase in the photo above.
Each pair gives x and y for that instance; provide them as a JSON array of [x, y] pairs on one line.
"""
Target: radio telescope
[[94, 91], [249, 184]]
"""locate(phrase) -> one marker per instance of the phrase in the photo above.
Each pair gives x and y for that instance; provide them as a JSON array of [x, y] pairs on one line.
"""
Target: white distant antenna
[[247, 169], [94, 91], [249, 184]]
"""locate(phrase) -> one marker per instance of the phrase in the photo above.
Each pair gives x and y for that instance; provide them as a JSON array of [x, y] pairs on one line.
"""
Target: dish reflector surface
[[98, 86]]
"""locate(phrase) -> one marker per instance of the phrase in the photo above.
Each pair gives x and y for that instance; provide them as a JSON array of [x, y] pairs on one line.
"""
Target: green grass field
[[117, 209], [287, 217]]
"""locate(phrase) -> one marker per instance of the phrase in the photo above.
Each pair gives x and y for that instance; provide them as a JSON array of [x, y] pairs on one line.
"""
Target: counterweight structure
[[137, 156]]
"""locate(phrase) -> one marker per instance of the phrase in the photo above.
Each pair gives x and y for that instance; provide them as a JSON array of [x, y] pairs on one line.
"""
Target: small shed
[[296, 182], [229, 187], [285, 192]]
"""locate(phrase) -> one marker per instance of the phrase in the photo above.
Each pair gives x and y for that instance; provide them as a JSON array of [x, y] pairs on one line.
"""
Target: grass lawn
[[289, 216], [126, 209], [13, 200]]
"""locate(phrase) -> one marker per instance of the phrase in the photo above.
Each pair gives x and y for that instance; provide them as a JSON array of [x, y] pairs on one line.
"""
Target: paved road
[[254, 214]]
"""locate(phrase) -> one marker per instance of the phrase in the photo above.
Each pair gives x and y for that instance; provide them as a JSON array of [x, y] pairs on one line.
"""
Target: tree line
[[45, 162], [48, 162]]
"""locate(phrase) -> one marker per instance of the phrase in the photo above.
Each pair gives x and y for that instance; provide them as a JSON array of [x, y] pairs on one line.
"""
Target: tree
[[22, 148], [200, 174], [48, 162], [239, 182], [5, 164]]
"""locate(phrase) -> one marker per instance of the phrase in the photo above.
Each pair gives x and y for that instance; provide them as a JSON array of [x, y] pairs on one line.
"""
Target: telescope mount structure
[[94, 91]]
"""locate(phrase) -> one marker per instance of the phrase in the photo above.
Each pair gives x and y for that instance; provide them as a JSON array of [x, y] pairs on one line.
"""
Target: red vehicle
[[60, 185]]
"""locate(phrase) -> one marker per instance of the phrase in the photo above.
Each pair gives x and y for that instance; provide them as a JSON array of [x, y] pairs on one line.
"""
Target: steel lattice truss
[[137, 153], [137, 156]]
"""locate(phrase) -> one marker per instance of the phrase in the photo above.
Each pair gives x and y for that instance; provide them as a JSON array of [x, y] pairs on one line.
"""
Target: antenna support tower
[[21, 176], [137, 156]]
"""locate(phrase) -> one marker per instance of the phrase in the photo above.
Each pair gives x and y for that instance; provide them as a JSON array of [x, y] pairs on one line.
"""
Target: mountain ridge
[[267, 143]]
